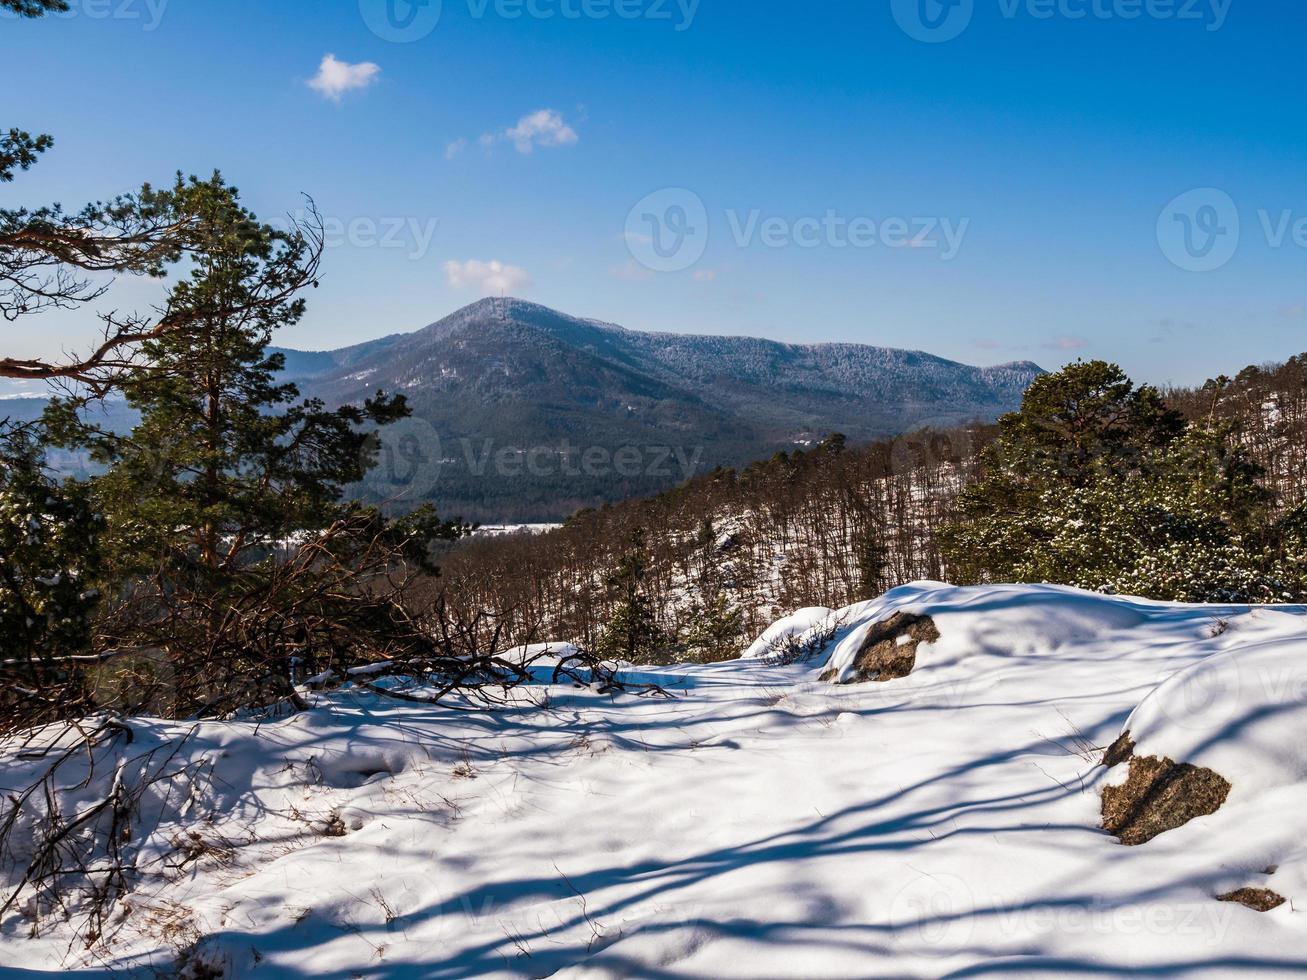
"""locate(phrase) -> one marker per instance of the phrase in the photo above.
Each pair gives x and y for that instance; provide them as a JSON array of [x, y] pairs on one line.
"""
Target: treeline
[[733, 550], [829, 525], [1267, 406]]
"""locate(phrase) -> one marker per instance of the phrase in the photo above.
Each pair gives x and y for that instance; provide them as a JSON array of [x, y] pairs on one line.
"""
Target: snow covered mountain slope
[[511, 376], [766, 821]]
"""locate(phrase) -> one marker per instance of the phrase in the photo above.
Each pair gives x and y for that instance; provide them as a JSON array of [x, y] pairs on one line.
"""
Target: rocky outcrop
[[889, 650], [1158, 794]]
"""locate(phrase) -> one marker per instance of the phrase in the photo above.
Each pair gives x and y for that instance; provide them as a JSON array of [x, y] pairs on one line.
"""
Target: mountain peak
[[511, 310], [509, 375]]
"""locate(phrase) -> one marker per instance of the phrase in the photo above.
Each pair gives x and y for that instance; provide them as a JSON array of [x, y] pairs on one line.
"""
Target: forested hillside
[[1268, 405], [520, 412], [729, 552]]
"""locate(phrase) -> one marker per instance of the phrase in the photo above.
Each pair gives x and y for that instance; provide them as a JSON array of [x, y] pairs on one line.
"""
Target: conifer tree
[[872, 556], [225, 459], [227, 535], [714, 630], [1074, 427], [49, 567], [1289, 541], [1095, 483], [633, 633], [1087, 420], [34, 8], [52, 258]]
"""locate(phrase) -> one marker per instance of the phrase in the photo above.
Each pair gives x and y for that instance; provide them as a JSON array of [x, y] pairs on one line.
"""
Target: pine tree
[[872, 557], [49, 565], [1289, 544], [1095, 483], [1083, 424], [227, 535], [225, 460], [34, 8], [714, 631], [1188, 529], [632, 634]]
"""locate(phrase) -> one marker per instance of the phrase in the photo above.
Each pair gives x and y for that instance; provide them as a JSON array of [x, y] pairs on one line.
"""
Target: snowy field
[[501, 530], [764, 821]]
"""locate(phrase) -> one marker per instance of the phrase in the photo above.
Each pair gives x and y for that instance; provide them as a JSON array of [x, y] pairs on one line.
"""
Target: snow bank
[[762, 822], [796, 629], [1241, 712], [1000, 623]]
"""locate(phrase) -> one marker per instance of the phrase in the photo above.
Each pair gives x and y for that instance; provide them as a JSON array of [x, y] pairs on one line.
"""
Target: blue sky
[[1050, 146]]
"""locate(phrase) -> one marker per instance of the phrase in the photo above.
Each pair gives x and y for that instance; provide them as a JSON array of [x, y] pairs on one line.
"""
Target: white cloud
[[336, 77], [544, 127], [491, 278]]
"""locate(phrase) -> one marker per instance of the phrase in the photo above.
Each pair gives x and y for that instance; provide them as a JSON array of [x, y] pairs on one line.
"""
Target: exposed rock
[[1160, 795], [889, 650], [1119, 751], [1257, 899]]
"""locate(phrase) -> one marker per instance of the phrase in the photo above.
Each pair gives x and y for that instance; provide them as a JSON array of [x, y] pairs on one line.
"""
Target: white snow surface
[[796, 626], [760, 822]]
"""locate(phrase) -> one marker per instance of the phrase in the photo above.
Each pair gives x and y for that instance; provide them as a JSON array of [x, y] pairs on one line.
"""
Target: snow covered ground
[[500, 530], [763, 822]]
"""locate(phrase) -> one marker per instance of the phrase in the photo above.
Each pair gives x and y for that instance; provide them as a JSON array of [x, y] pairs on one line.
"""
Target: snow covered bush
[[1290, 539], [1143, 538], [797, 638]]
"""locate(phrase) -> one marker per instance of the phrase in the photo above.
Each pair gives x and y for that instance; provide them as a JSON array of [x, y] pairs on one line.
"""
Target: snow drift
[[763, 822]]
